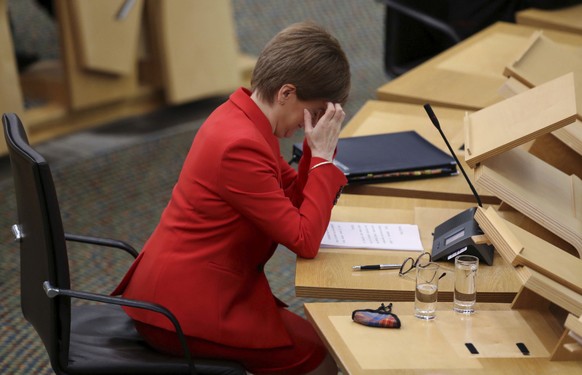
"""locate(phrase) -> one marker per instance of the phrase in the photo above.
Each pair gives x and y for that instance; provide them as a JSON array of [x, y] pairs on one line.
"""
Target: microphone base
[[455, 237]]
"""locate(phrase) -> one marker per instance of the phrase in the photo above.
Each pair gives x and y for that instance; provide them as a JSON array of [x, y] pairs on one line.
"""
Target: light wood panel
[[563, 147], [519, 119], [556, 149], [85, 88], [421, 347], [512, 215], [541, 61], [200, 59], [377, 117], [468, 75], [564, 19], [575, 325], [538, 190], [552, 291], [520, 247], [105, 42]]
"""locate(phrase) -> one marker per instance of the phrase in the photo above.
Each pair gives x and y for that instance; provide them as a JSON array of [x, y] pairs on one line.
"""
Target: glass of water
[[465, 294], [425, 301]]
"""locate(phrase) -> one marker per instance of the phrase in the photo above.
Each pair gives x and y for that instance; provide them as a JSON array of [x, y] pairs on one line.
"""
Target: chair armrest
[[103, 242], [418, 15], [53, 292]]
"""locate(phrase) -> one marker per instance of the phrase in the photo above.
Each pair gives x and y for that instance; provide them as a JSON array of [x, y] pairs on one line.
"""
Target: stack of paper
[[372, 236]]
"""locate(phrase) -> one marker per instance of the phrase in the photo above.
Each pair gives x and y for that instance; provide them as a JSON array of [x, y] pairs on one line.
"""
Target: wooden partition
[[122, 58]]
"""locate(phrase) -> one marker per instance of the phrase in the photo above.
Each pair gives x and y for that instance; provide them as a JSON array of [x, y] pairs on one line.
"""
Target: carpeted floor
[[119, 192]]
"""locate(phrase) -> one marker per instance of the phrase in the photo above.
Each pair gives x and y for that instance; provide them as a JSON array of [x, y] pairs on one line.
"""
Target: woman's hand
[[322, 138]]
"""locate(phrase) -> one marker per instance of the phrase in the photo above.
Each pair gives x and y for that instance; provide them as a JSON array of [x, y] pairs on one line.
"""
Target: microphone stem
[[461, 167], [436, 124]]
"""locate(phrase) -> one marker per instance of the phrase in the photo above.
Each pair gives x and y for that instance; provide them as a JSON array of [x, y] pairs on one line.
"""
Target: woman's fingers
[[323, 137]]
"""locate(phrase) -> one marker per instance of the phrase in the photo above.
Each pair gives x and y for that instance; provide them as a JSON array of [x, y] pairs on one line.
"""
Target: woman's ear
[[285, 92]]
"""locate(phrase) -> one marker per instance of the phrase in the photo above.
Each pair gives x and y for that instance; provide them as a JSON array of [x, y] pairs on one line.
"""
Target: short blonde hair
[[307, 56]]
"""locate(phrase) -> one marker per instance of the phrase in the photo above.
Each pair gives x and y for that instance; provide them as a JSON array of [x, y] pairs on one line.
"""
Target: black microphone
[[437, 125], [456, 236]]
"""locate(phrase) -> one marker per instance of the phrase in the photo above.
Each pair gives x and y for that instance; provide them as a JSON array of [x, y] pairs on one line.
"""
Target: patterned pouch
[[381, 317]]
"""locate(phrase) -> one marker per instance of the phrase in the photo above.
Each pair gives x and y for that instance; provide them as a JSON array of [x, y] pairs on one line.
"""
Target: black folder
[[389, 157]]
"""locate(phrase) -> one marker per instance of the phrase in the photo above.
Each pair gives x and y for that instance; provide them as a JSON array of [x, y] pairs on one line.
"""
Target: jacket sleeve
[[258, 195], [294, 190]]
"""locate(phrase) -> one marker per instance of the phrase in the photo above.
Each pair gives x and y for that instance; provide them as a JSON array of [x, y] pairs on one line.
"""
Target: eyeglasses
[[410, 263]]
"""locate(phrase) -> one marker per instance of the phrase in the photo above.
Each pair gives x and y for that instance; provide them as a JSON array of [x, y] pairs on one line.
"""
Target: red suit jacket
[[235, 200]]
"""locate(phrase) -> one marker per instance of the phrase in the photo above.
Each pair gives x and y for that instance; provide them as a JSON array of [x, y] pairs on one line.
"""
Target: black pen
[[377, 267]]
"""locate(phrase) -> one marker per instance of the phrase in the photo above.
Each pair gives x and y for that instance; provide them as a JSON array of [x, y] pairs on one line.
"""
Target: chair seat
[[104, 341]]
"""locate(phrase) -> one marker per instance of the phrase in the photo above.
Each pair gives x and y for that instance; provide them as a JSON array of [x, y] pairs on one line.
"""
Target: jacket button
[[260, 267]]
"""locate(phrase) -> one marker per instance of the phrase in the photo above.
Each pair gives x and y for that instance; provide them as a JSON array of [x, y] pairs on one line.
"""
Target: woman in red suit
[[236, 199]]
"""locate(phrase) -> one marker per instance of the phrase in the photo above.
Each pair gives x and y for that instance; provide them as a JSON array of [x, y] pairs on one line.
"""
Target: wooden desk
[[377, 117], [565, 19], [421, 347], [330, 274], [468, 75]]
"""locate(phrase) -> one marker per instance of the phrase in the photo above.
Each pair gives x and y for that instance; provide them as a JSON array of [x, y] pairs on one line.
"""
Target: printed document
[[372, 236]]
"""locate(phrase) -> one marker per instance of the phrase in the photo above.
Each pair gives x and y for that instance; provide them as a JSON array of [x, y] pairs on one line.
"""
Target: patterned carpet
[[121, 192]]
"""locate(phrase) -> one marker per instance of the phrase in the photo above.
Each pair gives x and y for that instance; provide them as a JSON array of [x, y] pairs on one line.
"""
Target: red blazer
[[235, 200]]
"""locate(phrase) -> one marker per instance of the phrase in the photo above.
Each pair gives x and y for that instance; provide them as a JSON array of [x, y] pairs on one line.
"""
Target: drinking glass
[[465, 294], [425, 296]]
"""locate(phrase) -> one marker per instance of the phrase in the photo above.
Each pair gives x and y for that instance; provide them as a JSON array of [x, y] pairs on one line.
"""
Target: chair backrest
[[43, 255], [414, 31]]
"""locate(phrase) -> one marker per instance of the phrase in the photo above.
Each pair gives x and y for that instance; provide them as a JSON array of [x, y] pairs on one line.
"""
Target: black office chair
[[95, 338], [414, 31]]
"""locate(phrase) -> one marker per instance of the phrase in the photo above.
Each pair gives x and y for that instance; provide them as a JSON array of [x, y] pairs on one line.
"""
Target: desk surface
[[565, 19], [470, 74], [421, 347], [377, 117], [330, 274]]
